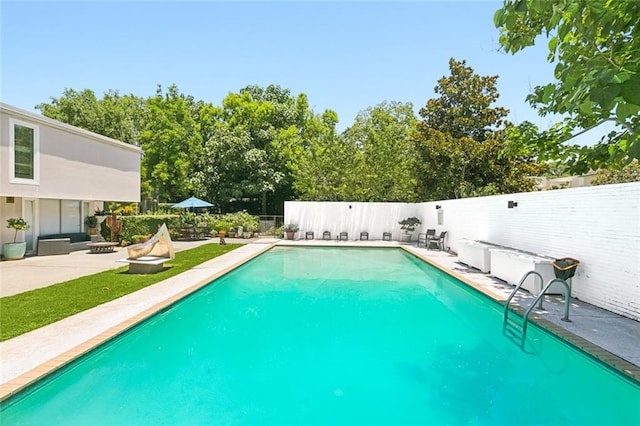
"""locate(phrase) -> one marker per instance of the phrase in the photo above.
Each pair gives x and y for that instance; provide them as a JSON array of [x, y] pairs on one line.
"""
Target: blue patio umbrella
[[191, 202]]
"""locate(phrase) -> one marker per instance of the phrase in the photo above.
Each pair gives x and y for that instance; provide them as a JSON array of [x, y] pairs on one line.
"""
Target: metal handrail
[[567, 295], [515, 290]]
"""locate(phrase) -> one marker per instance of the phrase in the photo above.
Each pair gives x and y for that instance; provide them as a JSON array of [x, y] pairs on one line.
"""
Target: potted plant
[[290, 230], [15, 250], [407, 226], [92, 224]]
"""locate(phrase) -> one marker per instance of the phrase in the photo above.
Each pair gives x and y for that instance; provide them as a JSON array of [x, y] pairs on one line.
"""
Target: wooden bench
[[145, 264], [102, 247]]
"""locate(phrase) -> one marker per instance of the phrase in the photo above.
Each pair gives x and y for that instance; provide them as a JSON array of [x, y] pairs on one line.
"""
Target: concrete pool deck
[[27, 357]]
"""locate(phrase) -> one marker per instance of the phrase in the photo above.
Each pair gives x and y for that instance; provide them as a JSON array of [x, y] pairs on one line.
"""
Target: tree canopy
[[264, 145], [596, 47], [170, 141], [460, 140]]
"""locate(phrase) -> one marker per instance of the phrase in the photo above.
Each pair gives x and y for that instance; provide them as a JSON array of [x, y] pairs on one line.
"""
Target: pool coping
[[32, 375], [23, 380], [611, 360]]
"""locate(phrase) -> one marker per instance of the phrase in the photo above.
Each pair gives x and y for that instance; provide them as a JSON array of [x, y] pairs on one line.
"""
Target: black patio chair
[[425, 238], [438, 241]]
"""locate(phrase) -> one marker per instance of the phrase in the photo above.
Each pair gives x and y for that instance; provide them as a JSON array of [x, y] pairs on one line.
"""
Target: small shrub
[[17, 224], [291, 227]]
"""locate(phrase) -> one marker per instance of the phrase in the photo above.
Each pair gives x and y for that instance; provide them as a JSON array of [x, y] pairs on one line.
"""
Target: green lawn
[[27, 311]]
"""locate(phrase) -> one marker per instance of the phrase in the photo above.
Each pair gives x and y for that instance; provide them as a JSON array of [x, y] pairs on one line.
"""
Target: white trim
[[35, 228], [26, 115], [36, 152]]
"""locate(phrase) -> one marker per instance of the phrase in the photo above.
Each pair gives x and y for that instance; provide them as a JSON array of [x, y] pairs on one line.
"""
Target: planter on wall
[[14, 251], [290, 234], [406, 236]]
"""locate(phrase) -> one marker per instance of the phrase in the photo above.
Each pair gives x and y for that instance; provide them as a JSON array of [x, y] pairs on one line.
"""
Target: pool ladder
[[510, 329]]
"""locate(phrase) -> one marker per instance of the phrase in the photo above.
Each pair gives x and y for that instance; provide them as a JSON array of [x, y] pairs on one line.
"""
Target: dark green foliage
[[461, 141], [263, 146], [596, 47], [629, 173], [147, 225]]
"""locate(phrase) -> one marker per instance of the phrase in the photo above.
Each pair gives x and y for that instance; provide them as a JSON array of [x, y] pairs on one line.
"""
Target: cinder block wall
[[598, 225]]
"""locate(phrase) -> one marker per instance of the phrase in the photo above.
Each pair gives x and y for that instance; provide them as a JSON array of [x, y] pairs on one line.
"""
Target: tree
[[386, 166], [264, 114], [118, 117], [323, 164], [171, 140], [596, 45], [629, 173], [229, 167], [463, 109], [461, 138]]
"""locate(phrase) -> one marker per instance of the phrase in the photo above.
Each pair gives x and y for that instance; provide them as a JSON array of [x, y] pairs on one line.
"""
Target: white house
[[54, 175]]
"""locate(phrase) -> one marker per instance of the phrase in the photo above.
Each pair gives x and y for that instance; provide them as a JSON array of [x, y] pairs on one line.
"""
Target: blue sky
[[344, 56]]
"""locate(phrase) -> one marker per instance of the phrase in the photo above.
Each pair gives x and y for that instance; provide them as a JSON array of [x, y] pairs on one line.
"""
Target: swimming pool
[[326, 336]]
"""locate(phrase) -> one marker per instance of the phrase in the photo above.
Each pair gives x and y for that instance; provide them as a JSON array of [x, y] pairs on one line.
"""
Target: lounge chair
[[364, 235], [424, 238], [386, 236], [343, 236], [438, 241], [308, 235], [326, 235]]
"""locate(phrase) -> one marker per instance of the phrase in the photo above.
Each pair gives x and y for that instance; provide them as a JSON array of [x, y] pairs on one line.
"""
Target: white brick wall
[[598, 225]]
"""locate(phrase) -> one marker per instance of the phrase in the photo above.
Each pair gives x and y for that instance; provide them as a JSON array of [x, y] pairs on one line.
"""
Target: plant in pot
[[290, 230], [15, 250], [92, 224], [407, 226]]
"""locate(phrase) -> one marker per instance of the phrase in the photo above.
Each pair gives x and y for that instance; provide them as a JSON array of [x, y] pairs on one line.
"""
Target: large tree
[[116, 116], [596, 47], [230, 167], [171, 141], [460, 140], [385, 170], [264, 114], [322, 163]]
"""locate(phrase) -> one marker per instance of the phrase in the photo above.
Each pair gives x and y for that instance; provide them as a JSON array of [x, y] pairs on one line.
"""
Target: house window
[[24, 152]]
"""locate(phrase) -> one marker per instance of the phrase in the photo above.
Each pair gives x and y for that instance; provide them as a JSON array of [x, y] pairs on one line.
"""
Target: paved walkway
[[18, 276], [28, 356]]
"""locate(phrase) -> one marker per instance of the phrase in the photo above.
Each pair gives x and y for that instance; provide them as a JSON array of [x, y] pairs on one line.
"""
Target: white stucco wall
[[599, 225], [74, 164], [353, 218]]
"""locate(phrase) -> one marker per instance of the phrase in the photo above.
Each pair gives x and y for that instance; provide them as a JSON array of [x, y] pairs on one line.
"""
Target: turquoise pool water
[[330, 336]]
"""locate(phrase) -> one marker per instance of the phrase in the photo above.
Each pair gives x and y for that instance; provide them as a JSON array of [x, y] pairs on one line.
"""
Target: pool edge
[[30, 377], [609, 359], [23, 381]]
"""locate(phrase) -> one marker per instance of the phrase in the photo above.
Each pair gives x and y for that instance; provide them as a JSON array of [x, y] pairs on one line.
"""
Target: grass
[[27, 311]]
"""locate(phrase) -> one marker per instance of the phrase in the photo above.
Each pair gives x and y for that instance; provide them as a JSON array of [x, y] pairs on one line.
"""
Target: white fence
[[598, 225]]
